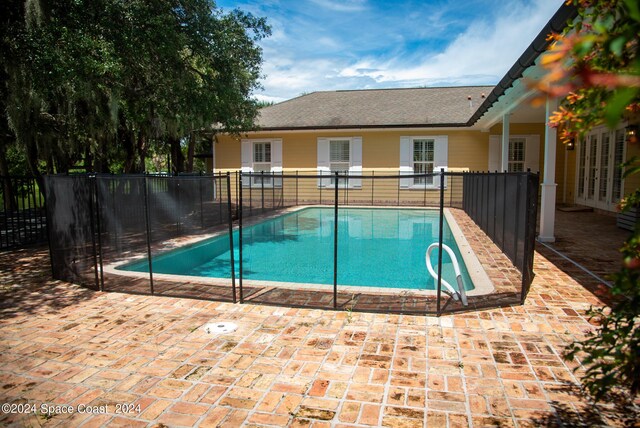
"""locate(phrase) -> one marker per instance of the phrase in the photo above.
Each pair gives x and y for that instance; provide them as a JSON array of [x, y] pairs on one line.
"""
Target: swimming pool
[[377, 247]]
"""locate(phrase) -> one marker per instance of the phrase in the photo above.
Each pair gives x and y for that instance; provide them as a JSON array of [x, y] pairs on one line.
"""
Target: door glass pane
[[604, 165], [618, 152], [581, 168], [593, 163]]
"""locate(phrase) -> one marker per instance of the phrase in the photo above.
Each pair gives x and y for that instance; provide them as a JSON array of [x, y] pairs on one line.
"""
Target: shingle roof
[[376, 108]]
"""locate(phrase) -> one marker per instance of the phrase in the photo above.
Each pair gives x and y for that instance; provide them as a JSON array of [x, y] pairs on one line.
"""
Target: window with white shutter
[[262, 156], [423, 155], [342, 155]]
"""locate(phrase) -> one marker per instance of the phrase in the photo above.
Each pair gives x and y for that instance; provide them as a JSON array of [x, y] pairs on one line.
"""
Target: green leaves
[[131, 70], [617, 103]]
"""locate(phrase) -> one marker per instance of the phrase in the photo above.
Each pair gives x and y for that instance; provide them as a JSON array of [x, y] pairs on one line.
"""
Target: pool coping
[[481, 281]]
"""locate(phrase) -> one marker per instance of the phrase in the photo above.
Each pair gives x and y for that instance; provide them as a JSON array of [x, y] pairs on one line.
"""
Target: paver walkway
[[64, 345]]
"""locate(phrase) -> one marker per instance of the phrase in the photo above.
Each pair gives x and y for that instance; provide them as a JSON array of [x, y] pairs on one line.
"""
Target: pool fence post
[[424, 192], [146, 220], [335, 247], [240, 236], [201, 209], [441, 226], [296, 187], [504, 209], [99, 225], [516, 230], [273, 190], [527, 226], [233, 269], [262, 189], [373, 180], [346, 189], [91, 187], [321, 185], [217, 193]]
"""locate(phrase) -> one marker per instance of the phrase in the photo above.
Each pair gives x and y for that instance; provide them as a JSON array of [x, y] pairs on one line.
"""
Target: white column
[[504, 164], [548, 204]]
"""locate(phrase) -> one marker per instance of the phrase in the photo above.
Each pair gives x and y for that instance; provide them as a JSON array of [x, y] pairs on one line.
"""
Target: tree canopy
[[106, 83]]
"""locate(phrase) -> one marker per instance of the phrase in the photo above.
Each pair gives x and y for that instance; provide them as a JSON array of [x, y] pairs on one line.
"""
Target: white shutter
[[440, 158], [355, 169], [276, 160], [323, 162], [246, 156], [495, 153], [532, 153], [406, 161]]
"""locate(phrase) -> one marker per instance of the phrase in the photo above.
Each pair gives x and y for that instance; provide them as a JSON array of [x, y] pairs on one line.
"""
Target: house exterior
[[419, 130]]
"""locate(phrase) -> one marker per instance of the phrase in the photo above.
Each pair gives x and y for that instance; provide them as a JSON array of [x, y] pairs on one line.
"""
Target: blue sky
[[362, 44]]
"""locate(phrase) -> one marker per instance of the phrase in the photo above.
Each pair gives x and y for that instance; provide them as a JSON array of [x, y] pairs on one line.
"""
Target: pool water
[[376, 248]]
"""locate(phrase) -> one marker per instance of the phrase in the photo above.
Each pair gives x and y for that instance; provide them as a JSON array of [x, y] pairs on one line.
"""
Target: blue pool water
[[376, 247]]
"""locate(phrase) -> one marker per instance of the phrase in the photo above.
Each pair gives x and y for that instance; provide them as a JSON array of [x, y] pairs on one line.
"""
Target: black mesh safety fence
[[22, 212], [71, 220], [122, 231], [115, 233], [504, 206], [307, 242], [367, 242]]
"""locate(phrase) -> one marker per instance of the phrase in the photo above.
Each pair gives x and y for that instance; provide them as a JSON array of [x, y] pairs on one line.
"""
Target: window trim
[[425, 185], [439, 141]]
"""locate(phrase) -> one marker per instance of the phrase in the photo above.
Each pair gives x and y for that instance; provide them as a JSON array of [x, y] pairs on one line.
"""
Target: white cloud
[[308, 59], [342, 6]]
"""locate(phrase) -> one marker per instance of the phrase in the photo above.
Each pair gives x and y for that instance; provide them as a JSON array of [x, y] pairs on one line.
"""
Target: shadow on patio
[[26, 286], [591, 240]]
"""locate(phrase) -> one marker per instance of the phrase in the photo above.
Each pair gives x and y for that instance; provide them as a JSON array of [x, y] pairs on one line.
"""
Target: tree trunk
[[88, 159], [191, 151], [32, 158], [102, 162], [142, 151], [177, 158], [128, 143], [8, 194]]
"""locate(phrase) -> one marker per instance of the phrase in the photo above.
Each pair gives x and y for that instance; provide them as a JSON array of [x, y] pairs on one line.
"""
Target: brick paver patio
[[61, 344]]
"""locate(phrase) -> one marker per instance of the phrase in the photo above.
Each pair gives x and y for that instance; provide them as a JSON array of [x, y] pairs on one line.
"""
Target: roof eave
[[346, 127], [556, 24]]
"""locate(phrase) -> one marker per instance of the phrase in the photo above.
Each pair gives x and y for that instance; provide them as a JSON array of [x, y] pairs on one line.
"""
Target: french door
[[599, 177]]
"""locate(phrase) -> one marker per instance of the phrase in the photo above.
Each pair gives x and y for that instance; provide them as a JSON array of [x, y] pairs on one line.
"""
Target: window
[[262, 162], [516, 154], [423, 155], [342, 155], [339, 160]]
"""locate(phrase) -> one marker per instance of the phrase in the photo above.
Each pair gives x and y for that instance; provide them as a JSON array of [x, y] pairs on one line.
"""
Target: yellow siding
[[380, 149], [571, 159], [467, 150]]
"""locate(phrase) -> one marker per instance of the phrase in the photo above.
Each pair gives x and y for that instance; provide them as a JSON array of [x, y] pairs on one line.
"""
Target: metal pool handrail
[[457, 295]]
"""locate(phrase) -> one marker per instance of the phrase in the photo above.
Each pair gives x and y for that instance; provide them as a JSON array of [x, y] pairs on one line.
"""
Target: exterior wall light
[[631, 134], [571, 145]]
